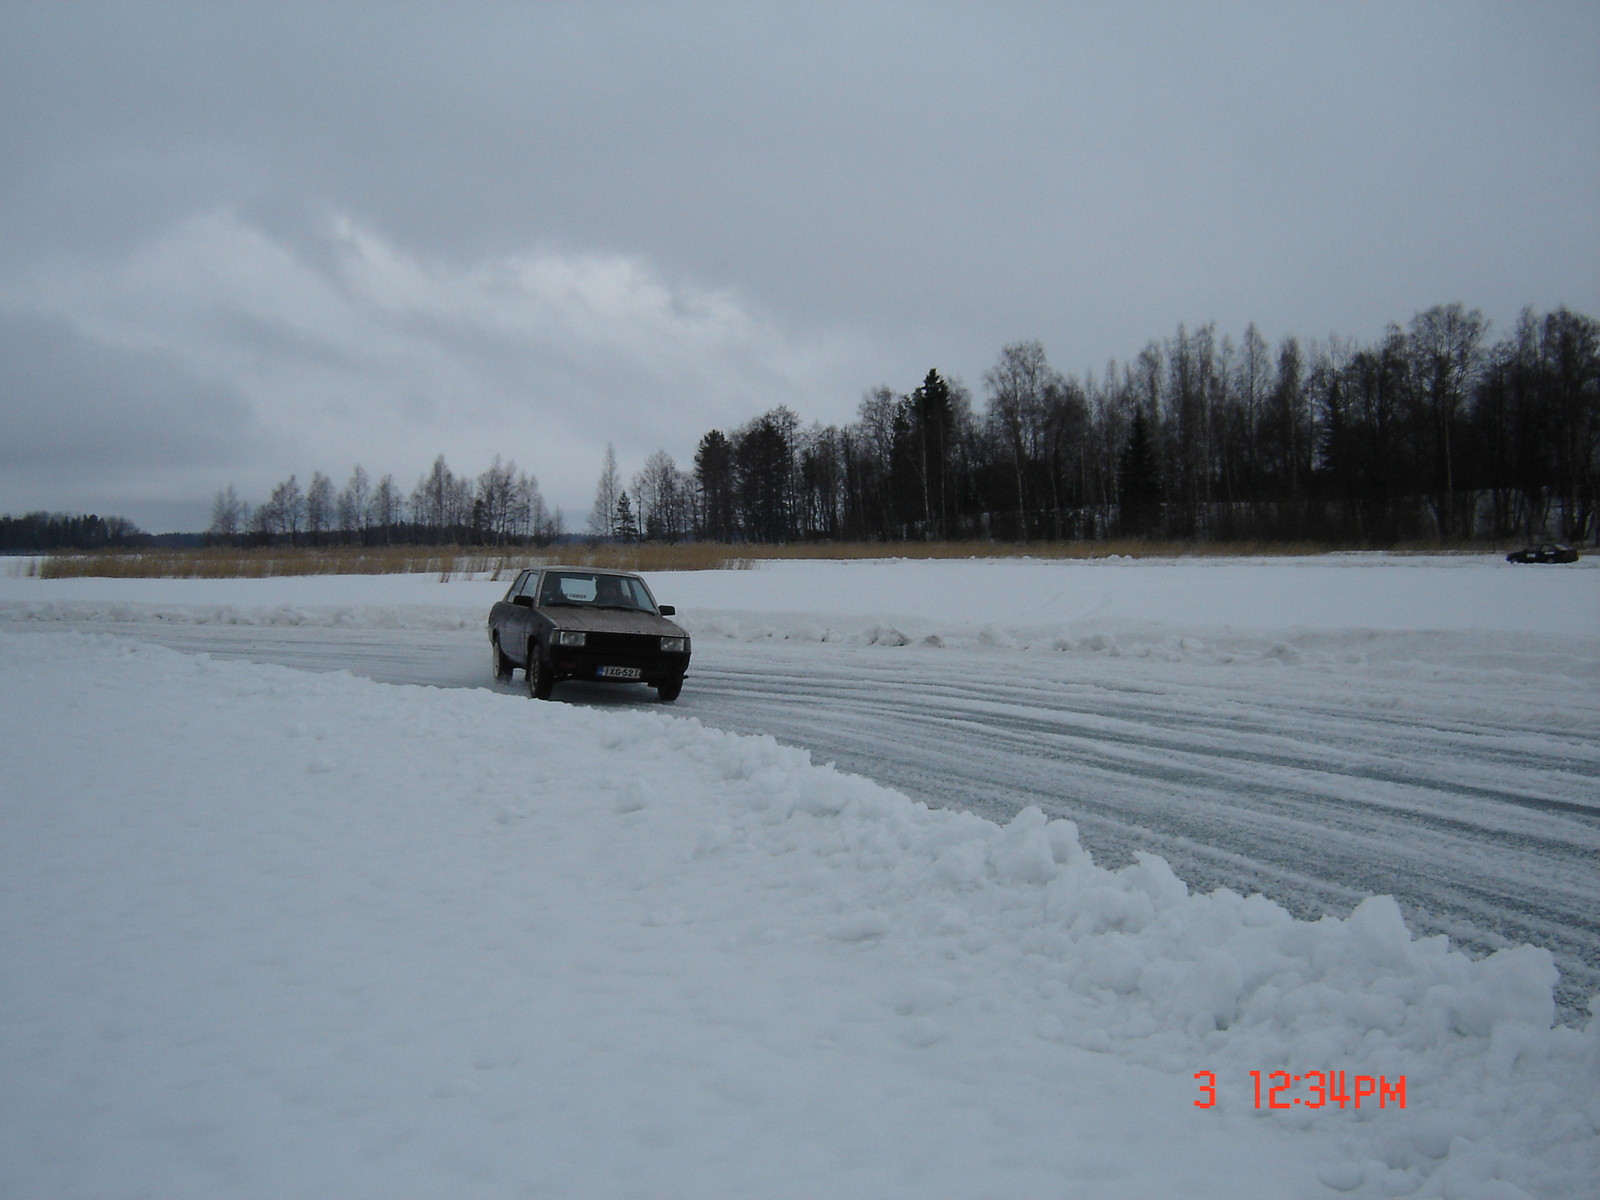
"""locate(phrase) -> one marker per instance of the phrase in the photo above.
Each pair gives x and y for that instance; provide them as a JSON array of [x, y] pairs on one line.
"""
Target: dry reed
[[218, 562]]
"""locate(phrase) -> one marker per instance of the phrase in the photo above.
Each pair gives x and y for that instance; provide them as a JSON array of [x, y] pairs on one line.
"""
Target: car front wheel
[[669, 691], [539, 681], [500, 663]]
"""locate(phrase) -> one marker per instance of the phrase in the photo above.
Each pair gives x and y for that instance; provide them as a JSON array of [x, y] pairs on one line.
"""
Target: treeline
[[44, 532], [502, 506], [1433, 432]]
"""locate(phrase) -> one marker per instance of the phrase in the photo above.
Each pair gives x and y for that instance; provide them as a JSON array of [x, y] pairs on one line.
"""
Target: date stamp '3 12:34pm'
[[1314, 1089]]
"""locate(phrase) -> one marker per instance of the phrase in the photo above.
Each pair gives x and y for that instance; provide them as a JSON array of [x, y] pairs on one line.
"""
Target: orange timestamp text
[[1314, 1089]]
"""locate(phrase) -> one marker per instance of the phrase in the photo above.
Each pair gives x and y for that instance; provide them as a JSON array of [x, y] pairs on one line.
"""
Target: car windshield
[[594, 590]]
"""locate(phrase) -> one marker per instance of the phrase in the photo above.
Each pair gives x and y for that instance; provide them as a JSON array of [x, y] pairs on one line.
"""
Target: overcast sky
[[239, 241]]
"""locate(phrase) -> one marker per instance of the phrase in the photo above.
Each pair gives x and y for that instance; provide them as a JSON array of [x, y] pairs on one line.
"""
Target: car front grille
[[630, 644]]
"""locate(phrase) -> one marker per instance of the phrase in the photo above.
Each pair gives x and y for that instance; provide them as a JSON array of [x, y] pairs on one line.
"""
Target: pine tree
[[713, 472], [934, 418], [1140, 480], [626, 528]]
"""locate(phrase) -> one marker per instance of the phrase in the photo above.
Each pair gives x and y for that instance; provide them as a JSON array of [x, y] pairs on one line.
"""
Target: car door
[[515, 618]]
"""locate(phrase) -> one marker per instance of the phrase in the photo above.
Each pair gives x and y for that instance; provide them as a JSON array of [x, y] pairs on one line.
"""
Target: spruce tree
[[627, 529], [1140, 482]]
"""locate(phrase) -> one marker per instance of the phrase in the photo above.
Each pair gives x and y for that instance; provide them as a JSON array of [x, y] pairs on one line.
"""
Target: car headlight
[[569, 637], [674, 645]]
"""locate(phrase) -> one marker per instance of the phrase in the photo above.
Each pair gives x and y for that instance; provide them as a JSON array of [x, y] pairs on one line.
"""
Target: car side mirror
[[523, 601], [666, 610]]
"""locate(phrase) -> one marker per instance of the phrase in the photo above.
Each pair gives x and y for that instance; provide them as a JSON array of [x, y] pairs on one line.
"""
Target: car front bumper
[[617, 664]]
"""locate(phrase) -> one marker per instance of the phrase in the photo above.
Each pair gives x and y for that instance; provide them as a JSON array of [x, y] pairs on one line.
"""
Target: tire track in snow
[[1277, 789], [1482, 819]]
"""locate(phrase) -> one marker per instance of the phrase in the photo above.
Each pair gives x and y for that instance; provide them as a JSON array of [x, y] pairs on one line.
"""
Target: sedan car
[[1545, 552], [561, 623]]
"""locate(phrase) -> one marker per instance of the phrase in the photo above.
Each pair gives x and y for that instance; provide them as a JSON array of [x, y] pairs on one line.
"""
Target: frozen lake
[[1318, 730]]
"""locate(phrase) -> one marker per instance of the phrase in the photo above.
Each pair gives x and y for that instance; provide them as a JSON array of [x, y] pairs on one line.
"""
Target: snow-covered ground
[[1317, 730], [273, 933]]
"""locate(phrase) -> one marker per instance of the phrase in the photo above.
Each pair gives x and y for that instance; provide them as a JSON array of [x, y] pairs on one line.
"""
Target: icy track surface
[[1318, 730]]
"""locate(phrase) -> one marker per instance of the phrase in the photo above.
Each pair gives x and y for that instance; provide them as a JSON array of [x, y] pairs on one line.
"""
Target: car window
[[638, 595], [518, 585], [594, 589]]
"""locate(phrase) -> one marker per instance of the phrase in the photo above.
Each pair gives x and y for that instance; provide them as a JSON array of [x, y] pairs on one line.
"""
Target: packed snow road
[[1313, 791], [1413, 754]]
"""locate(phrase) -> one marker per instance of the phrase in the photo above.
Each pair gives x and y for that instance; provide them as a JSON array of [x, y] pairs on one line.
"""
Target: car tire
[[539, 681], [669, 691], [499, 662]]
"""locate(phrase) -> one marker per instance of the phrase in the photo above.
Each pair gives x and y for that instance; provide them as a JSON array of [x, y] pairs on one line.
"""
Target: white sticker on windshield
[[574, 587]]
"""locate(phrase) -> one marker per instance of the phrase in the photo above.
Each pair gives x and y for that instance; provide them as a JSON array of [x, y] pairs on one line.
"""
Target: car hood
[[611, 620]]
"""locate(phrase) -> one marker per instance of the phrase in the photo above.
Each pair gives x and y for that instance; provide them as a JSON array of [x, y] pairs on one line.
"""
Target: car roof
[[590, 570]]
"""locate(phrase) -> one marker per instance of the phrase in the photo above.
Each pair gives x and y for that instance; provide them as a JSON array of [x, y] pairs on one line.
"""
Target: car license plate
[[619, 672]]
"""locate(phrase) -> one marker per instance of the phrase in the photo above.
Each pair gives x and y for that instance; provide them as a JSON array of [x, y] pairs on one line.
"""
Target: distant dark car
[[580, 623], [1545, 552]]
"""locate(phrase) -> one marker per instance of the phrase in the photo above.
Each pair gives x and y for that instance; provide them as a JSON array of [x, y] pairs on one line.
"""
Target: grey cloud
[[73, 405], [259, 343]]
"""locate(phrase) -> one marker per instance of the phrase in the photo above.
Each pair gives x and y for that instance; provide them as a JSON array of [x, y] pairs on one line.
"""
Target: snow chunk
[[886, 635], [1102, 643], [859, 927], [631, 796], [1023, 853]]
